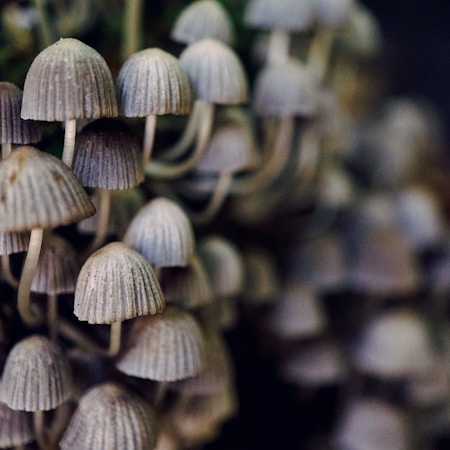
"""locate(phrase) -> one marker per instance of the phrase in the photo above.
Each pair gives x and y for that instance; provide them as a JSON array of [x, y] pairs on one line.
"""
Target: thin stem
[[44, 24], [6, 149], [39, 429], [69, 141], [52, 316], [149, 138], [59, 423], [158, 169], [278, 51], [132, 30], [28, 271], [103, 212], [320, 52], [6, 272], [160, 394], [115, 338]]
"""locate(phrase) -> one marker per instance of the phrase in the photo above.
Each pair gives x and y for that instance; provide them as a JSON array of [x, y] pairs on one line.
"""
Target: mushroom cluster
[[272, 189]]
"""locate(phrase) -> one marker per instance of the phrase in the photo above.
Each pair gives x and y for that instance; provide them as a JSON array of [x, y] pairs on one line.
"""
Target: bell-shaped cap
[[215, 72], [68, 80], [11, 242], [57, 268], [37, 190], [203, 19], [13, 129], [111, 417], [36, 376], [333, 13], [165, 347], [15, 427], [290, 15], [116, 283], [162, 233], [107, 156], [153, 82]]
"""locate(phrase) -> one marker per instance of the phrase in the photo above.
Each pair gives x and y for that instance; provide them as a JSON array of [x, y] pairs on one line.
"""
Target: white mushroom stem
[[70, 132], [115, 335], [39, 430], [278, 51], [6, 149], [28, 271], [149, 138], [320, 52], [6, 272], [158, 169], [132, 30], [103, 211], [52, 316]]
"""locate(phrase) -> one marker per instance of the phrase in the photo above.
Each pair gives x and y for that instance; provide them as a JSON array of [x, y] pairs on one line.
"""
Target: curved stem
[[6, 272], [59, 423], [28, 271], [70, 132], [160, 394], [158, 169], [278, 51], [39, 429], [52, 316], [320, 52], [273, 167], [132, 30], [115, 338], [149, 138], [6, 149], [104, 208]]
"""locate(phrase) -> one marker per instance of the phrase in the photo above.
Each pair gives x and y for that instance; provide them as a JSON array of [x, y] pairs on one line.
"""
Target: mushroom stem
[[39, 430], [278, 51], [158, 169], [6, 272], [132, 31], [60, 420], [160, 394], [44, 27], [104, 209], [69, 141], [274, 165], [6, 149], [114, 338], [320, 52], [28, 271], [149, 138], [52, 316]]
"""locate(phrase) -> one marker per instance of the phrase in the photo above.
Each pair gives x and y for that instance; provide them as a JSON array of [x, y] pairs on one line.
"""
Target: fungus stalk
[[149, 138], [69, 141], [104, 209], [320, 52], [132, 31], [52, 316], [39, 430], [278, 51]]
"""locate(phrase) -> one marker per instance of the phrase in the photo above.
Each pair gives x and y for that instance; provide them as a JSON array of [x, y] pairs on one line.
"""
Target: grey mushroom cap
[[11, 242], [68, 80]]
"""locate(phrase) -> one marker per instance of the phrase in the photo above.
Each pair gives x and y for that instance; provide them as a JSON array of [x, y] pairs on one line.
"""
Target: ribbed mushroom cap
[[68, 80], [11, 242], [396, 344], [333, 13], [162, 233], [165, 347], [298, 312], [224, 265], [116, 283], [109, 417], [292, 15], [15, 427], [57, 268], [13, 129], [107, 155], [203, 19], [36, 376], [153, 82], [37, 190], [286, 89], [215, 72], [369, 424]]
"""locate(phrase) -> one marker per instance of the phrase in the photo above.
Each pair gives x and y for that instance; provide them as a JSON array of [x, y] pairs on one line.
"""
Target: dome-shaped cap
[[15, 427], [13, 129], [68, 80], [165, 347], [153, 82], [162, 233], [116, 283], [109, 417], [292, 15], [37, 190], [107, 155], [286, 89], [215, 72], [36, 376], [203, 19], [11, 242], [333, 13]]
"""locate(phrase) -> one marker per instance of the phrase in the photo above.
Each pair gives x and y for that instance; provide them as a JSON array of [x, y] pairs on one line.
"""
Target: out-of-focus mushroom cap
[[162, 233], [68, 80], [36, 376], [116, 283], [333, 13], [107, 156], [11, 242], [215, 72], [153, 82], [37, 190], [203, 19], [15, 427], [110, 417], [13, 129], [165, 347]]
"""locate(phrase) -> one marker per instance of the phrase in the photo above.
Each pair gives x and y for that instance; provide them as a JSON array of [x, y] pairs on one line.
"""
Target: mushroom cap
[[107, 155], [57, 268], [116, 283], [110, 417], [15, 427], [333, 13], [68, 80], [291, 15], [153, 82], [37, 190], [203, 19], [11, 242], [165, 347], [13, 129], [215, 72], [36, 376], [162, 233], [286, 89]]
